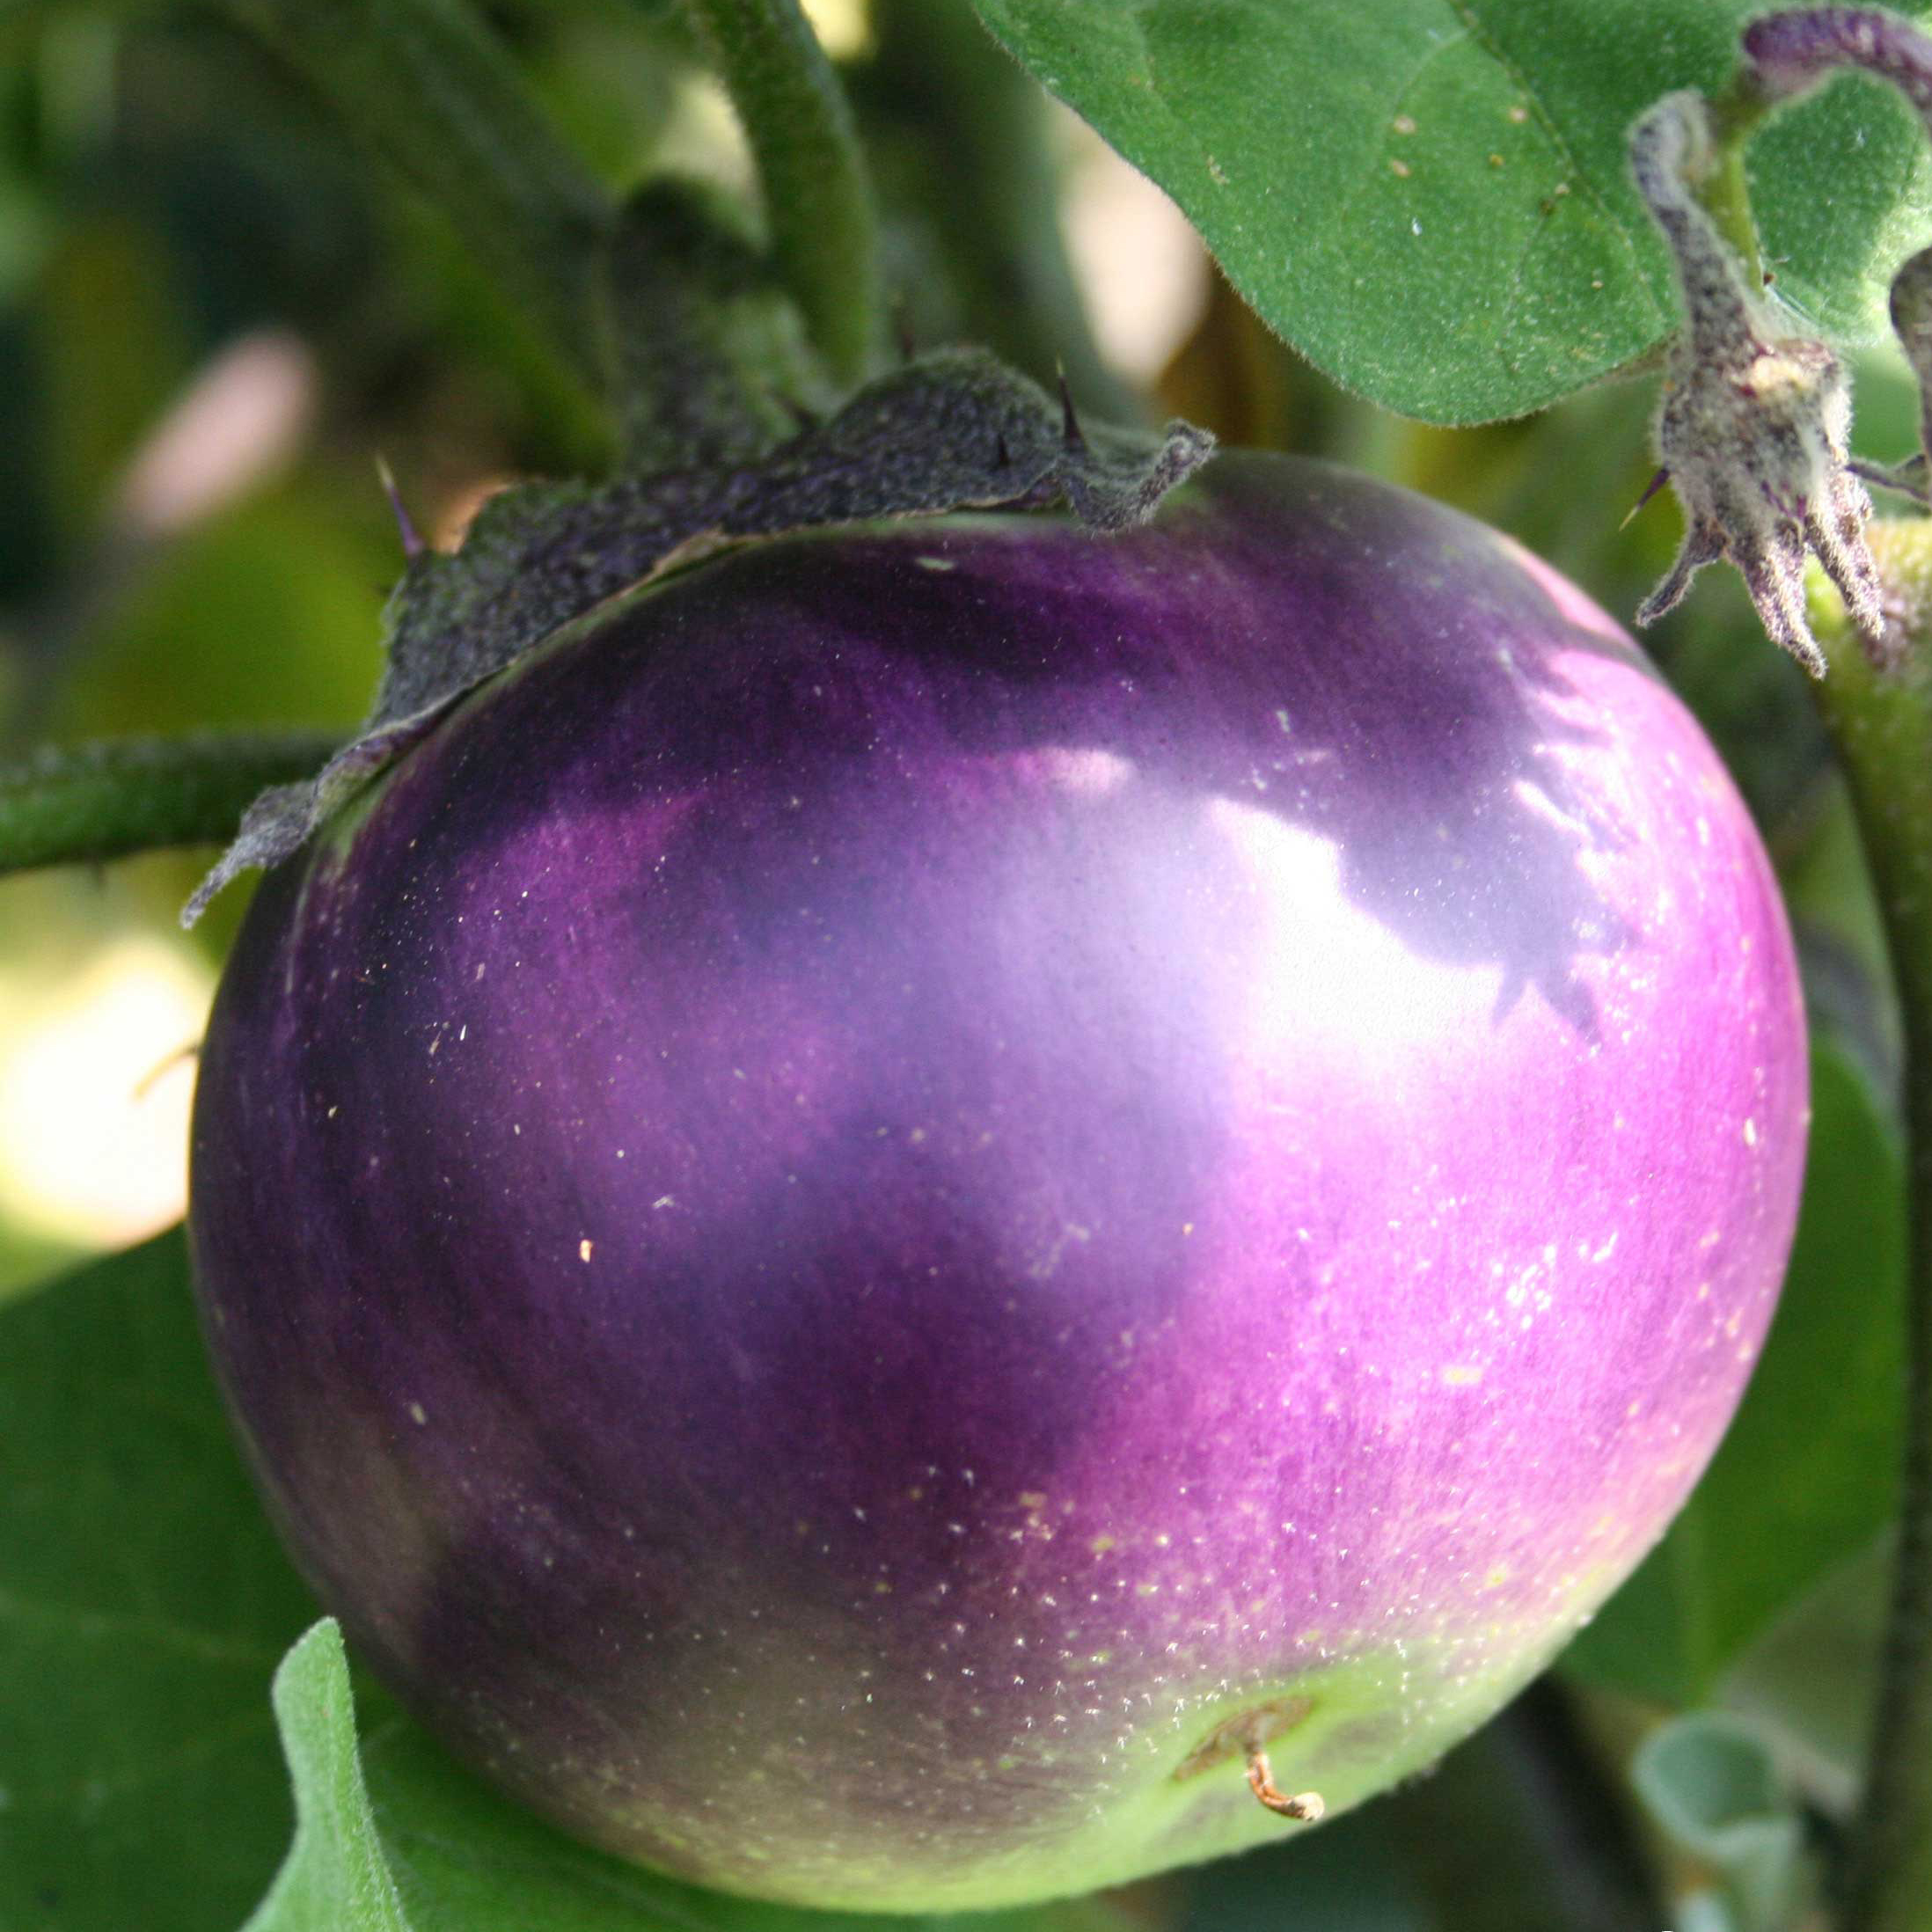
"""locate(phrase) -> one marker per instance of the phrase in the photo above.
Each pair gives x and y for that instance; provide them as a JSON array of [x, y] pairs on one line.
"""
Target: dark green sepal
[[953, 430]]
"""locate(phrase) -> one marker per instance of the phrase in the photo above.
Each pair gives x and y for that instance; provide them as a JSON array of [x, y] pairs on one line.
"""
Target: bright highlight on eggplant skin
[[952, 1197]]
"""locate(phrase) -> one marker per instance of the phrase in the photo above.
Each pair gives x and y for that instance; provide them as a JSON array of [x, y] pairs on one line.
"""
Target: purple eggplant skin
[[919, 1184]]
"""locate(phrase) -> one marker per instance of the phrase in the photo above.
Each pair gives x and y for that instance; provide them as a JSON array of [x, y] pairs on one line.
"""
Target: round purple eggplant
[[919, 1197]]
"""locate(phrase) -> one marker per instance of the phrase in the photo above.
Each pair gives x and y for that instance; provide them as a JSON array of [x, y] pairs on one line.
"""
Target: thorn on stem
[[1304, 1805], [1650, 489], [1070, 424], [412, 544]]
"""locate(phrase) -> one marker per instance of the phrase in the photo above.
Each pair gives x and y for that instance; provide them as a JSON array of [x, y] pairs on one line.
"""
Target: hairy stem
[[428, 85], [713, 365], [105, 801], [1674, 152], [818, 196], [1881, 724]]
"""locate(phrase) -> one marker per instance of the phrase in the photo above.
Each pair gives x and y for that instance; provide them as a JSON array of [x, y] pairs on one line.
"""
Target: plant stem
[[1726, 192], [819, 206], [105, 801], [428, 85], [712, 365], [959, 132], [1881, 725]]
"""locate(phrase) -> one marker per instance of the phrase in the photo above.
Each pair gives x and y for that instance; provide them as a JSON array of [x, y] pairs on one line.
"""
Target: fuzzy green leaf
[[1428, 198], [336, 1877]]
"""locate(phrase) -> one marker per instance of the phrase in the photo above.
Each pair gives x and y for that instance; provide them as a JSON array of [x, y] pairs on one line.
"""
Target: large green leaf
[[1428, 198], [1807, 1474], [142, 1605]]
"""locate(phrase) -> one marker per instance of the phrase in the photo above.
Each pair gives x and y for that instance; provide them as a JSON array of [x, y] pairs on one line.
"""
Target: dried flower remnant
[[1304, 1806], [1753, 426]]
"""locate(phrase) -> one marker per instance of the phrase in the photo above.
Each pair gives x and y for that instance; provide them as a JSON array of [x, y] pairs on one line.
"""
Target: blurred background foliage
[[214, 316]]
